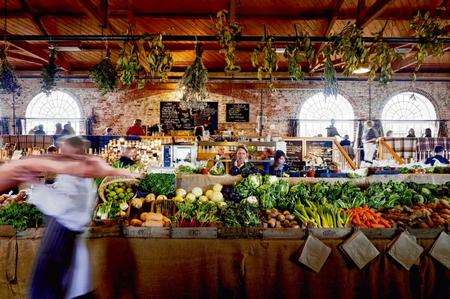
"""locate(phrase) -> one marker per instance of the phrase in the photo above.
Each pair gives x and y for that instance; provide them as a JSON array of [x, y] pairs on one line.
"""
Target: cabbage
[[254, 180], [181, 192], [217, 188], [190, 197], [270, 179], [197, 191]]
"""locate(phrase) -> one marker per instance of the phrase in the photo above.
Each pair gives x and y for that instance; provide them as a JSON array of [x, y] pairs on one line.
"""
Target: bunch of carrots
[[367, 218]]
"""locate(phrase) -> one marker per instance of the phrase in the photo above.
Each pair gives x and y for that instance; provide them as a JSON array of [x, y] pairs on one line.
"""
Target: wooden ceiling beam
[[90, 9], [24, 58], [409, 60], [371, 13], [37, 20]]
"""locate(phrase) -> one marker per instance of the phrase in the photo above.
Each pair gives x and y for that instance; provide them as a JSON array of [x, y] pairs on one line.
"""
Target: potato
[[271, 223], [136, 222], [290, 217], [281, 217], [286, 213], [296, 226], [265, 225], [150, 223], [143, 216], [286, 223], [149, 198], [154, 217], [277, 224], [273, 215]]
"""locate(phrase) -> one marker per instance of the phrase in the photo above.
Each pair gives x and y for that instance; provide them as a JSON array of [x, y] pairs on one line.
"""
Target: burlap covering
[[176, 268]]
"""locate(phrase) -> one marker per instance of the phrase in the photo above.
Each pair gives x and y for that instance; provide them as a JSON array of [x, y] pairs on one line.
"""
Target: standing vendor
[[438, 156], [279, 167], [240, 164]]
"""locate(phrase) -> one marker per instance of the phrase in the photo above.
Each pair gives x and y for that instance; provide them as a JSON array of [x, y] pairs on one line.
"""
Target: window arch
[[409, 110], [58, 107], [317, 112]]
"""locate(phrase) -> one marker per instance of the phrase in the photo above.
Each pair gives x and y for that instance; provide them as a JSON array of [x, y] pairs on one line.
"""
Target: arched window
[[318, 111], [409, 110], [58, 107]]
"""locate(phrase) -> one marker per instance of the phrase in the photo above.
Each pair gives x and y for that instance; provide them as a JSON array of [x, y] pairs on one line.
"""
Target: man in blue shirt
[[438, 156]]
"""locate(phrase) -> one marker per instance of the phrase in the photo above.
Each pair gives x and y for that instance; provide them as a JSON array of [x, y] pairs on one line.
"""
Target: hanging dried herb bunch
[[104, 75], [298, 52], [50, 72], [158, 57], [265, 58], [193, 83], [128, 65], [381, 56], [428, 30], [228, 33], [350, 46], [8, 78], [329, 73]]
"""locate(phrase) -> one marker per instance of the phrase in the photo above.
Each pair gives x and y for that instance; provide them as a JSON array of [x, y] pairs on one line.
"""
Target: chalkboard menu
[[238, 113], [172, 117]]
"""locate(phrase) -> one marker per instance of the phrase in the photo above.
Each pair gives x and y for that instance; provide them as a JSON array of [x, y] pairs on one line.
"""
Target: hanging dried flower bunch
[[128, 65], [428, 30], [8, 79], [381, 56], [265, 58], [50, 72], [350, 46], [298, 52], [228, 33], [104, 75], [193, 83], [329, 73], [158, 57]]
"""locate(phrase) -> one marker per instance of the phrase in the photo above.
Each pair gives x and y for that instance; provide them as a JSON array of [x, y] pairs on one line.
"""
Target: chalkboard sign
[[172, 117], [238, 113]]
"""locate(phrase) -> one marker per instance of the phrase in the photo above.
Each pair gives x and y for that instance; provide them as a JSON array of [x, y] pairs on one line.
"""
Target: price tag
[[405, 250], [359, 249], [314, 254], [441, 249]]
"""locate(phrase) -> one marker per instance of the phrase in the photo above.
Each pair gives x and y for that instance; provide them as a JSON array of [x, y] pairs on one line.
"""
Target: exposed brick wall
[[118, 110]]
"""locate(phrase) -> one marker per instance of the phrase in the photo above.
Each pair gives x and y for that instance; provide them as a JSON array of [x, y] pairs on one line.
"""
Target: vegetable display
[[277, 219], [158, 183], [20, 216], [367, 218]]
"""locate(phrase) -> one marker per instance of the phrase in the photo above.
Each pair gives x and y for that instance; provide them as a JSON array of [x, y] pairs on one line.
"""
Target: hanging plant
[[128, 65], [104, 75], [158, 57], [296, 53], [228, 33], [350, 46], [265, 58], [381, 56], [8, 78], [428, 30], [193, 83], [329, 73], [50, 72]]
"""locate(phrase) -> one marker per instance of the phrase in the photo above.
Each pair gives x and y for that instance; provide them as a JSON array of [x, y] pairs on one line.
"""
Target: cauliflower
[[217, 196], [197, 191], [203, 198], [217, 188], [181, 192], [190, 197], [252, 200], [209, 193], [178, 198], [270, 179], [254, 180]]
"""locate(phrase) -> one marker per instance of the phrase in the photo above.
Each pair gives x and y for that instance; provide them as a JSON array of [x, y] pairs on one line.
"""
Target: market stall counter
[[125, 267]]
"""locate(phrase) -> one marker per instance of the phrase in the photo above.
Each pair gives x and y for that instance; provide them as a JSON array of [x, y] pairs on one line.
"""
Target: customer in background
[[40, 130], [279, 167], [411, 133], [50, 177], [331, 130], [128, 157], [240, 165], [370, 136], [58, 129], [67, 130], [438, 156], [427, 133], [108, 132], [346, 141], [32, 131], [136, 129], [390, 133]]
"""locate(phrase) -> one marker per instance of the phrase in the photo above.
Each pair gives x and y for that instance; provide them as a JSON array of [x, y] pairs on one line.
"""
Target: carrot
[[378, 226]]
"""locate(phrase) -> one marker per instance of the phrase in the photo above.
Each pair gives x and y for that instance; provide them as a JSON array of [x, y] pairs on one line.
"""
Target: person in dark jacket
[[40, 130], [411, 133], [427, 133], [438, 156], [345, 141], [240, 165], [279, 167]]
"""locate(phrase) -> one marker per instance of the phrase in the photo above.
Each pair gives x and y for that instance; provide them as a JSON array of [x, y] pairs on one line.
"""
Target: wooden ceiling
[[193, 17]]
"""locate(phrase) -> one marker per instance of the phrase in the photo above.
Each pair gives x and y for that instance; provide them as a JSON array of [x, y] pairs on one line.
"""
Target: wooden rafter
[[408, 61], [371, 13], [91, 10]]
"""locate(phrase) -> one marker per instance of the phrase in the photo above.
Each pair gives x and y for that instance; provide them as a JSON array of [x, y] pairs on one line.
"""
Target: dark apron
[[50, 278]]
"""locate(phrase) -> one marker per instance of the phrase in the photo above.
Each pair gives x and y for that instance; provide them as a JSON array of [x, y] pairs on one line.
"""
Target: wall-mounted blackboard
[[172, 117], [238, 113]]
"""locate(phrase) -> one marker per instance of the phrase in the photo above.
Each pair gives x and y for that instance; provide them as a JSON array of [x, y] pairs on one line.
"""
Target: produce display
[[367, 218], [116, 196], [20, 215], [277, 219]]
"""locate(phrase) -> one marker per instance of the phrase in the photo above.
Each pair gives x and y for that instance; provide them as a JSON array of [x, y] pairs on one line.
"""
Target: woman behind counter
[[279, 167], [241, 166]]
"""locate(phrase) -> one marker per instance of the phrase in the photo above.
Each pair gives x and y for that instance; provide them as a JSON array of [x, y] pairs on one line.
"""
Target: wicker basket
[[110, 180]]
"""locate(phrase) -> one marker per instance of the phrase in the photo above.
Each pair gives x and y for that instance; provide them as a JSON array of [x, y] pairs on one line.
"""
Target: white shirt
[[71, 201]]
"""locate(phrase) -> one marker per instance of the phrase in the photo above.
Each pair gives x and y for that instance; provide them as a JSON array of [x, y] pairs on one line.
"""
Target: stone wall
[[118, 110]]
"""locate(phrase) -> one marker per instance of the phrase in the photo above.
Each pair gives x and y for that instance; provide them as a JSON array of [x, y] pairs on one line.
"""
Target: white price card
[[405, 250], [314, 254], [441, 249], [359, 249]]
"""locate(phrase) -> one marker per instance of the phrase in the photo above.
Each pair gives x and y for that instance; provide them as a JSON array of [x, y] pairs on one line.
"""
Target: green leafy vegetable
[[20, 216], [159, 183]]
